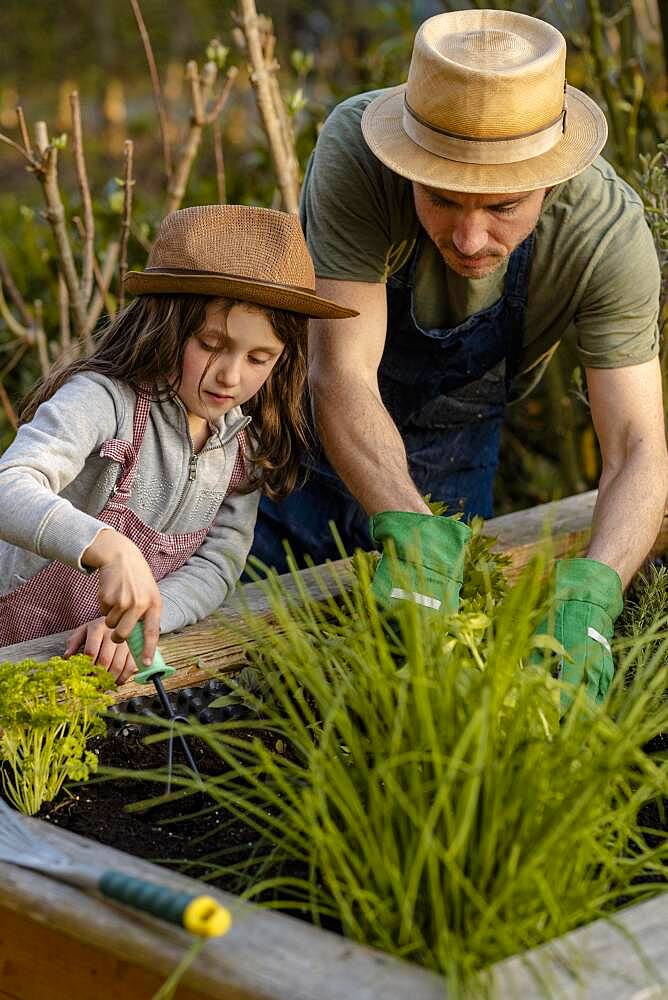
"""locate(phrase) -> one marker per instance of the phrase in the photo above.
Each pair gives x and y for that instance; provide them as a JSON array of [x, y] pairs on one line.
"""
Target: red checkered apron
[[60, 597]]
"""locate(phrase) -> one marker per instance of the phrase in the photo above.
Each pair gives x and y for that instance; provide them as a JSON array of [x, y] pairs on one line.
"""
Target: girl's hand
[[95, 640], [128, 590]]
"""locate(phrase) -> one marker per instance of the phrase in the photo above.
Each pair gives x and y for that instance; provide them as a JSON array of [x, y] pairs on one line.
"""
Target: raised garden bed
[[192, 652]]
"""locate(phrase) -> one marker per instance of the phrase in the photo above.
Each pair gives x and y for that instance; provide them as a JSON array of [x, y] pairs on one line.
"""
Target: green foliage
[[428, 800], [652, 184], [48, 712]]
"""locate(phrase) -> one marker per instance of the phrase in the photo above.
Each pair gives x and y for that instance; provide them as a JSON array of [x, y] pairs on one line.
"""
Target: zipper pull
[[192, 471]]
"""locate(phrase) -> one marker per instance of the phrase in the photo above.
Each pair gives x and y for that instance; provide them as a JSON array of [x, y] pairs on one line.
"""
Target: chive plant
[[428, 801]]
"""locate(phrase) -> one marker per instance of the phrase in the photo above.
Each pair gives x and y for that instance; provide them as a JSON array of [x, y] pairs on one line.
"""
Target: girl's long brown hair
[[145, 343]]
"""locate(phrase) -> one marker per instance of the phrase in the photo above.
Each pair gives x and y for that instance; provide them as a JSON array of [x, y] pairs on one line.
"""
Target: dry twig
[[47, 173], [7, 407], [103, 276], [23, 128], [13, 292], [262, 67], [126, 219], [200, 88], [157, 88], [86, 203], [220, 161]]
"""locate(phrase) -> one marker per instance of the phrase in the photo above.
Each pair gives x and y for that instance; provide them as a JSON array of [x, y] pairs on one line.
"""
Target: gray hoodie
[[53, 484]]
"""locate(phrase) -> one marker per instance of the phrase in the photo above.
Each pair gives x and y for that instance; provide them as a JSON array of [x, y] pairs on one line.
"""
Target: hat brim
[[584, 138], [163, 282]]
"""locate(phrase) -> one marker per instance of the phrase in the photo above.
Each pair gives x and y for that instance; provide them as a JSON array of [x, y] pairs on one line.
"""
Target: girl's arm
[[45, 457], [210, 576]]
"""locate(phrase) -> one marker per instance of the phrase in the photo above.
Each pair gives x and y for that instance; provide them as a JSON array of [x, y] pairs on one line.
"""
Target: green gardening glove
[[422, 561], [587, 600]]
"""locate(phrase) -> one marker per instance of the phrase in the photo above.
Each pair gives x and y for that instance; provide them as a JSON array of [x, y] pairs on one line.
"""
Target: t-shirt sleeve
[[344, 206], [617, 319]]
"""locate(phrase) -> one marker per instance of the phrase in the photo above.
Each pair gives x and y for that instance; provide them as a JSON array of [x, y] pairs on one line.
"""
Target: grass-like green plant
[[428, 801], [48, 712]]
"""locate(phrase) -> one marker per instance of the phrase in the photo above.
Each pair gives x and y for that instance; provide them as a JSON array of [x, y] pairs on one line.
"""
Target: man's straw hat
[[486, 108], [234, 251]]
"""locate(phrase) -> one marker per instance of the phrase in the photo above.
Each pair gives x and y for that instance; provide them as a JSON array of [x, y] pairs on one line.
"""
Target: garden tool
[[157, 670], [200, 915], [587, 600], [422, 561]]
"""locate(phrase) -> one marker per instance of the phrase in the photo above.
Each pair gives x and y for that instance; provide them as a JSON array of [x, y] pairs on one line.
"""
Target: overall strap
[[126, 452], [516, 287], [239, 474]]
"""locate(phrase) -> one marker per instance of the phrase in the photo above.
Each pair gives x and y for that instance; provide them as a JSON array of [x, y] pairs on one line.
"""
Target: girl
[[132, 485]]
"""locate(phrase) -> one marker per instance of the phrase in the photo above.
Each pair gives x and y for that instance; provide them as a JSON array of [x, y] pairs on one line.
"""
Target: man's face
[[476, 232]]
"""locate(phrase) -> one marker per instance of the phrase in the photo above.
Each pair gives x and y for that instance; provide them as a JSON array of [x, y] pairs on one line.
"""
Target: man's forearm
[[364, 446], [628, 513]]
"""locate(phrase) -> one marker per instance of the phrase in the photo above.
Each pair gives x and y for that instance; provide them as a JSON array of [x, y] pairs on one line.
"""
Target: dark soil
[[190, 829], [98, 809]]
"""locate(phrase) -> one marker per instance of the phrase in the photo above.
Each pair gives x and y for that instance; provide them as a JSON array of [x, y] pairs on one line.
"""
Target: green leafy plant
[[429, 802], [48, 712]]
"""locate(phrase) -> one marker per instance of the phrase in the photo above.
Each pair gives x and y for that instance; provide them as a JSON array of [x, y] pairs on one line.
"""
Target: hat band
[[225, 276], [466, 149]]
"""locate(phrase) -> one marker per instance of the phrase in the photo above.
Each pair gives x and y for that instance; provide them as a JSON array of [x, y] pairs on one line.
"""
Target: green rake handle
[[200, 915], [157, 669]]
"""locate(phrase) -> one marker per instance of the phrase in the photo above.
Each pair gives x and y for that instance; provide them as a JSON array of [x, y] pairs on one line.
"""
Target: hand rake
[[200, 915], [155, 672]]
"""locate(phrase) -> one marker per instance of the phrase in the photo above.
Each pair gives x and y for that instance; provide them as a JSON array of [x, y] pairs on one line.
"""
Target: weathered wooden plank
[[214, 645], [270, 956], [41, 963], [265, 956], [622, 960]]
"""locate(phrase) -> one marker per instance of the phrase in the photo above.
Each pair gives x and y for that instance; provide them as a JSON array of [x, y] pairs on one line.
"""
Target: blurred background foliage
[[617, 53]]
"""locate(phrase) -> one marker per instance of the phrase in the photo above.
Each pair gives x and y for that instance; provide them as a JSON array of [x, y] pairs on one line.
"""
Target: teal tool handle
[[157, 669], [198, 914]]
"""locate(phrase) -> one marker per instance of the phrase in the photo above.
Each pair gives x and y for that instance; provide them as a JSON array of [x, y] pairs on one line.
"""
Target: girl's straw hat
[[486, 108], [234, 251]]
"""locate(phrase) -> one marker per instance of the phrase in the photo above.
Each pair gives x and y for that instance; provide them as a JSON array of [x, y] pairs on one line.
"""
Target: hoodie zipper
[[192, 470]]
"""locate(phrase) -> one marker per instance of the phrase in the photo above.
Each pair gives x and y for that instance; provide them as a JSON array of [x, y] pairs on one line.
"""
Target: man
[[468, 218]]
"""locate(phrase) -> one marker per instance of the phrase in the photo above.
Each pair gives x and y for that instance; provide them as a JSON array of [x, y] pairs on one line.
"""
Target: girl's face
[[226, 362]]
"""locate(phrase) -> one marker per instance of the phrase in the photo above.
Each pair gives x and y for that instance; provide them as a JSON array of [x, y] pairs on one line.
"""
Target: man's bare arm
[[627, 411], [359, 436]]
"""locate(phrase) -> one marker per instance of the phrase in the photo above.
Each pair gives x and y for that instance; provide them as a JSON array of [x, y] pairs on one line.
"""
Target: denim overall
[[446, 390]]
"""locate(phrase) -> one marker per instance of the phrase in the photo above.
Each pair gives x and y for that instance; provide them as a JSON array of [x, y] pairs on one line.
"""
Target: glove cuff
[[435, 542], [591, 581]]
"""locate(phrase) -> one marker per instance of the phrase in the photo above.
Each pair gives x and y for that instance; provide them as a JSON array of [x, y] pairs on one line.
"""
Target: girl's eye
[[206, 346], [258, 361]]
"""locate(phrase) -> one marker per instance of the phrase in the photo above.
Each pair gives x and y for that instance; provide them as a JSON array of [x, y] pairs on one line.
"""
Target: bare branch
[[128, 184], [40, 338], [200, 89], [196, 96], [86, 203], [103, 278], [261, 76], [7, 407], [20, 149], [55, 214], [14, 360], [13, 292], [157, 88], [215, 112], [24, 333], [220, 161], [64, 314], [25, 134]]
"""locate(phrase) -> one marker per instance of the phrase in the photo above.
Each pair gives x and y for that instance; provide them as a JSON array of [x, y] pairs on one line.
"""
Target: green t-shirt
[[594, 274]]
